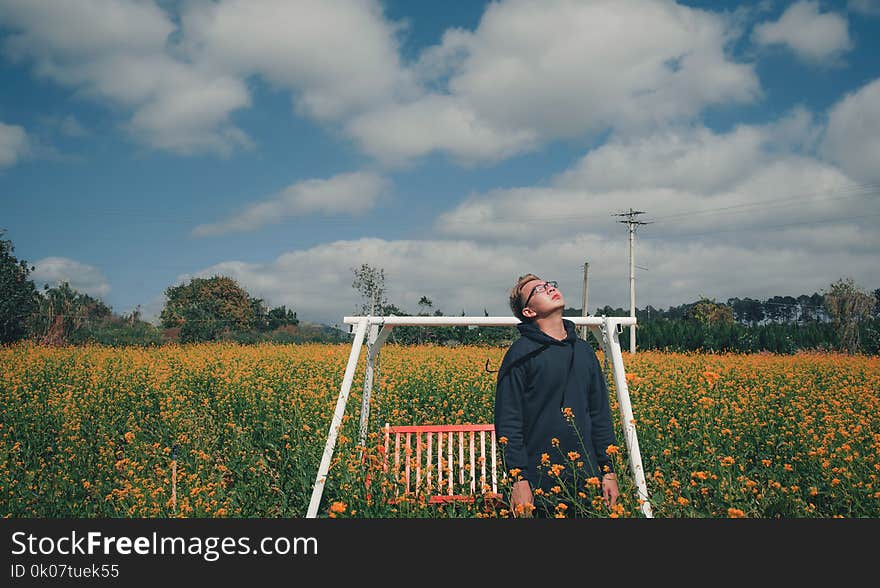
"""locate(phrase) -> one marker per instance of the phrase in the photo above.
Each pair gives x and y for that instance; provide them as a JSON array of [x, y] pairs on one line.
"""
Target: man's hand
[[521, 500], [609, 489]]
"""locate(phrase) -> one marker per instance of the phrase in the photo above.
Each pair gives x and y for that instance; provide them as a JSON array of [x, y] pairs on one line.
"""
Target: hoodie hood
[[531, 331]]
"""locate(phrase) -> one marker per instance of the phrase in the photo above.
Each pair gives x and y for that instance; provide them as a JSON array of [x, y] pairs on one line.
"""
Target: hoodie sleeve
[[600, 415], [509, 416]]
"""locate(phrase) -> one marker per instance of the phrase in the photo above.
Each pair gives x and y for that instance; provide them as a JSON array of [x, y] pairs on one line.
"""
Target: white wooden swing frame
[[375, 330]]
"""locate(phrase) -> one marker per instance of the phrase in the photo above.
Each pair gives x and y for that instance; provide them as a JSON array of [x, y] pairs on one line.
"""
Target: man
[[551, 409]]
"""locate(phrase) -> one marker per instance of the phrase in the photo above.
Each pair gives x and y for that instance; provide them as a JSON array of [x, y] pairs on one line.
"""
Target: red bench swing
[[447, 463]]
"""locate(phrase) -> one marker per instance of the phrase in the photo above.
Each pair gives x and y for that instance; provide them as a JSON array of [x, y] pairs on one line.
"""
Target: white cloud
[[152, 309], [530, 73], [852, 138], [533, 72], [689, 180], [399, 132], [463, 275], [344, 194], [812, 35], [14, 144], [866, 7], [118, 51], [82, 277], [337, 56]]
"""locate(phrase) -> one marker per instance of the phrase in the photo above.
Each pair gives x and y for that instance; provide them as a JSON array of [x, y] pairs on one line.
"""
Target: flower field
[[222, 430]]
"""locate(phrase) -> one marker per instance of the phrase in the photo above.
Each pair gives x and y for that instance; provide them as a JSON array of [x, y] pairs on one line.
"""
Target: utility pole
[[585, 307], [630, 220]]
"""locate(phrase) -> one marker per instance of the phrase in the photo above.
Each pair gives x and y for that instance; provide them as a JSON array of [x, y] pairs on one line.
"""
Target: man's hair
[[516, 299]]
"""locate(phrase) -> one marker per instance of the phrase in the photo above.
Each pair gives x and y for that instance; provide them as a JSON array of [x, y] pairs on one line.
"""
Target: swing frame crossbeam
[[375, 330]]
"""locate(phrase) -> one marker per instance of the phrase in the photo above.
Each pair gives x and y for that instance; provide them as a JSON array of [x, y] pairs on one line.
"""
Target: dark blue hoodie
[[540, 377]]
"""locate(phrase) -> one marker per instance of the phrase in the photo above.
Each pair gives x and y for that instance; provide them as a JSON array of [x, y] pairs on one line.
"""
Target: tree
[[206, 307], [63, 312], [369, 281], [848, 306], [18, 295], [709, 312], [425, 306], [281, 316], [747, 310]]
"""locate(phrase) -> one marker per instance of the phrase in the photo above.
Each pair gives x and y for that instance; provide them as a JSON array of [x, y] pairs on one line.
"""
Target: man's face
[[543, 302]]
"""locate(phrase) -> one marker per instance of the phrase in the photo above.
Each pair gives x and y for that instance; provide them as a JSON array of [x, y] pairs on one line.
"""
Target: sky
[[455, 145]]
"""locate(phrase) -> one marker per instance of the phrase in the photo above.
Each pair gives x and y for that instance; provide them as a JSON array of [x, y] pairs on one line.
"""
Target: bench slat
[[444, 447]]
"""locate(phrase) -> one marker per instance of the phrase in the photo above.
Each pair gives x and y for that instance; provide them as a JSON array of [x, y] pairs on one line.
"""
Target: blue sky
[[456, 145]]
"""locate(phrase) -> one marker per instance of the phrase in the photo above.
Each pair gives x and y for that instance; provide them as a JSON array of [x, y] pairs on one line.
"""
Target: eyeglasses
[[539, 289]]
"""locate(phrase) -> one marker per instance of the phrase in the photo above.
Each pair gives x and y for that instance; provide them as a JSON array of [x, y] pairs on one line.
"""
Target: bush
[[118, 332]]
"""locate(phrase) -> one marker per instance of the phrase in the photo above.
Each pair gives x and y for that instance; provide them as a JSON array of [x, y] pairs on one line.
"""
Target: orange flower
[[545, 459], [337, 508], [612, 450], [524, 509], [573, 455], [735, 513]]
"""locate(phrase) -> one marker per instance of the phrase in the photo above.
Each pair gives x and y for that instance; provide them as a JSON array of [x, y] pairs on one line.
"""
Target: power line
[[861, 190], [752, 228], [853, 191]]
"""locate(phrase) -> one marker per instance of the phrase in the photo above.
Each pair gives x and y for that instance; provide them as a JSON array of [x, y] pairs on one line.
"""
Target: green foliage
[[63, 312], [682, 336], [709, 312], [848, 306], [285, 334], [18, 295], [280, 316], [116, 331], [369, 282], [206, 307]]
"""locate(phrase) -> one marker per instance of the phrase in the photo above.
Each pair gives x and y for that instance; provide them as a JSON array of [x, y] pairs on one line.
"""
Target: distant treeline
[[781, 324], [218, 309]]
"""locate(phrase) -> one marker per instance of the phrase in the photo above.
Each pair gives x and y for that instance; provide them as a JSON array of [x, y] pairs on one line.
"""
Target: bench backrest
[[445, 460]]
